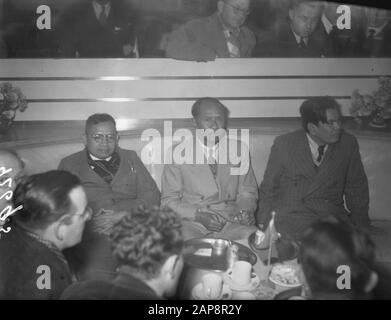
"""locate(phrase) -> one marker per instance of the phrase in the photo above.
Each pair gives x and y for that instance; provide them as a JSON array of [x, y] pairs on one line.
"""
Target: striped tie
[[233, 44]]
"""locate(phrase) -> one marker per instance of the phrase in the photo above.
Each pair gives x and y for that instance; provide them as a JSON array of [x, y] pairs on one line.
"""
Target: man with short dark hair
[[295, 36], [114, 178], [314, 172], [214, 195], [221, 35], [52, 218], [148, 245]]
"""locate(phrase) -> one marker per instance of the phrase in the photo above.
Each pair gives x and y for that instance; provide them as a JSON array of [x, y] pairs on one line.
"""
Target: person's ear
[[59, 231], [312, 128], [372, 282]]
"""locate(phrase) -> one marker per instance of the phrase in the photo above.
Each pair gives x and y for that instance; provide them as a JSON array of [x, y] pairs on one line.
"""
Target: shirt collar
[[97, 159], [98, 8], [327, 24], [209, 151], [298, 38], [313, 145], [377, 30]]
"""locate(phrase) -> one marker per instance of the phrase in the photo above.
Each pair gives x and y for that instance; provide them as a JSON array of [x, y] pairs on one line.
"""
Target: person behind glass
[[314, 172], [55, 209], [148, 244], [221, 35], [98, 29], [343, 41], [12, 170], [375, 38], [210, 197], [330, 246], [294, 36]]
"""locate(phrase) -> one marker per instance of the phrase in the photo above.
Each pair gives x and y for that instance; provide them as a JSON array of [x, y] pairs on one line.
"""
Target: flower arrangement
[[377, 105], [11, 100]]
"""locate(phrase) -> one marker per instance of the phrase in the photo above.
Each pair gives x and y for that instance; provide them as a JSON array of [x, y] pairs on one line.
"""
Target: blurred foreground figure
[[52, 219], [148, 245]]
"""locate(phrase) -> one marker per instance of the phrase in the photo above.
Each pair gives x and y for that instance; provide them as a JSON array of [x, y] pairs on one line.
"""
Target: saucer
[[236, 287], [197, 294]]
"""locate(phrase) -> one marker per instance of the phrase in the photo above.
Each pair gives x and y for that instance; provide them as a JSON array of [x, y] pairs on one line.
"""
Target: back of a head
[[314, 110], [143, 240], [44, 198], [207, 102], [326, 247]]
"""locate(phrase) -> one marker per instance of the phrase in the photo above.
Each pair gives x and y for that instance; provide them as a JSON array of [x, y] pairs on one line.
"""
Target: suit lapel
[[219, 38], [303, 158], [328, 165]]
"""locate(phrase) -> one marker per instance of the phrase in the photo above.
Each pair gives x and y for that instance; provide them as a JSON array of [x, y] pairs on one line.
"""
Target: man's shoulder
[[202, 23], [127, 153], [74, 157], [88, 290]]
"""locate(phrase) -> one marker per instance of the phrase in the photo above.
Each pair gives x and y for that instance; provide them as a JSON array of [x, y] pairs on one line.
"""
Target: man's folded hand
[[210, 221]]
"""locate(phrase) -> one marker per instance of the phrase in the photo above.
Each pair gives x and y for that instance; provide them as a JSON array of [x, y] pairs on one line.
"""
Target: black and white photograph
[[212, 151]]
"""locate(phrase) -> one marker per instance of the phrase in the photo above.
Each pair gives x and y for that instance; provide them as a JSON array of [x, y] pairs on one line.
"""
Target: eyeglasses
[[100, 138], [333, 123], [238, 10]]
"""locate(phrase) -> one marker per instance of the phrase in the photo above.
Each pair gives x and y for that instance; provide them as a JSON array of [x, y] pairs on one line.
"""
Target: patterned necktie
[[233, 44], [320, 153], [106, 169]]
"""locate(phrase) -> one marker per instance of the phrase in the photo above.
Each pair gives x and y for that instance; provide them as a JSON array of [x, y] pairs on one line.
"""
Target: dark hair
[[195, 109], [331, 243], [99, 118], [44, 197], [146, 238], [314, 110]]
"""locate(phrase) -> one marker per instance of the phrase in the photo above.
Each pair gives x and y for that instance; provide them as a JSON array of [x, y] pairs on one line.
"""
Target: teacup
[[241, 273], [212, 286]]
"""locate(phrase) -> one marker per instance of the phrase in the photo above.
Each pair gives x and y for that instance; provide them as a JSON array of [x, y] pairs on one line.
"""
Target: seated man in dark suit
[[295, 37], [98, 29], [52, 218], [114, 178], [221, 35], [314, 172], [148, 245]]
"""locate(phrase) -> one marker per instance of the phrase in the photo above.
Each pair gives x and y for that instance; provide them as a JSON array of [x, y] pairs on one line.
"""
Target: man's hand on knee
[[210, 221]]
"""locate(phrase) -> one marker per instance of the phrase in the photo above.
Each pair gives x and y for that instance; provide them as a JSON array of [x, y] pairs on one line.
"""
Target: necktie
[[213, 166], [320, 153], [106, 169], [102, 16], [234, 44], [302, 43]]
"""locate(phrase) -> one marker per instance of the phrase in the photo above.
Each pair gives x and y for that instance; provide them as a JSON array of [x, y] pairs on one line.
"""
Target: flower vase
[[377, 119]]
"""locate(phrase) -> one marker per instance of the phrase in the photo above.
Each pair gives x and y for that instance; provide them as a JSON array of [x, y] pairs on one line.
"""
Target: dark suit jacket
[[123, 287], [284, 44], [20, 256], [82, 32], [203, 40], [131, 186], [300, 194]]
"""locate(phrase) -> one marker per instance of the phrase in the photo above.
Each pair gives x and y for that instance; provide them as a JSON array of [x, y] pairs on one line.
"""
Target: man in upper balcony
[[114, 178], [313, 173], [98, 29], [214, 190], [294, 36], [222, 35]]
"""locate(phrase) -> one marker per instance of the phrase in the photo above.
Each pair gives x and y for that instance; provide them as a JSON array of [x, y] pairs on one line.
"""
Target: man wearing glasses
[[314, 172], [114, 178], [221, 35]]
